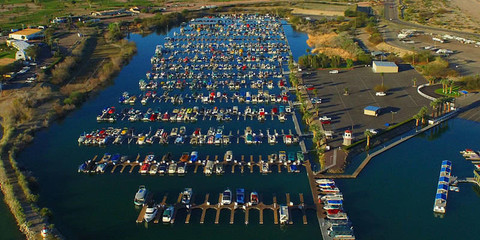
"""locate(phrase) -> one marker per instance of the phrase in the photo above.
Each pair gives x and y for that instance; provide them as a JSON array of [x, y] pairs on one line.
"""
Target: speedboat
[[227, 197], [150, 213], [194, 156], [140, 196], [283, 210], [101, 167], [324, 181], [254, 198], [229, 156], [240, 196], [187, 196], [82, 167], [168, 214]]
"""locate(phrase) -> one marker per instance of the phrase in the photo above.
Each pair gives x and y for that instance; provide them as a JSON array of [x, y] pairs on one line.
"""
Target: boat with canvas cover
[[140, 196]]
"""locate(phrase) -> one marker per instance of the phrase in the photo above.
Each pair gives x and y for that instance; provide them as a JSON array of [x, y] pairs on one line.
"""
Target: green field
[[454, 93], [27, 12], [7, 52]]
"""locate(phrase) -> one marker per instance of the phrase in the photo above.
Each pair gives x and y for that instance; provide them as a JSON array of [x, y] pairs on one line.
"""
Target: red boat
[[254, 198], [145, 167]]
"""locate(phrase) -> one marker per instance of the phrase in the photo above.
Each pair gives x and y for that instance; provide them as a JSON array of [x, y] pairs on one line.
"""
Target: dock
[[232, 208]]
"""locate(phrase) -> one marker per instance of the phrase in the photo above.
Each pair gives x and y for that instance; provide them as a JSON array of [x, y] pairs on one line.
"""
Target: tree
[[349, 63], [451, 83], [33, 51], [368, 135], [414, 80], [417, 118], [423, 113], [315, 92], [345, 91]]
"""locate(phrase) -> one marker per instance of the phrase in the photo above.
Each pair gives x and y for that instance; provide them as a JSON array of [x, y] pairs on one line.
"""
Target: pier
[[246, 208]]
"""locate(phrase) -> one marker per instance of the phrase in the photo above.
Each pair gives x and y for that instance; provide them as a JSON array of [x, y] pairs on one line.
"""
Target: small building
[[26, 34], [384, 67], [347, 138], [21, 46], [371, 111]]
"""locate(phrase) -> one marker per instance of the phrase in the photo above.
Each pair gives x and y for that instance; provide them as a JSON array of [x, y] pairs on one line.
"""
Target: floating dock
[[232, 208], [440, 203]]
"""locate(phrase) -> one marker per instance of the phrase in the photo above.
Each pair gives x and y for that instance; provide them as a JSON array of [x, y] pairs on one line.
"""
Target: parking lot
[[346, 111]]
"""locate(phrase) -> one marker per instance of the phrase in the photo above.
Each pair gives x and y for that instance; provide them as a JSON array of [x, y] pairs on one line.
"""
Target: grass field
[[454, 93], [14, 13]]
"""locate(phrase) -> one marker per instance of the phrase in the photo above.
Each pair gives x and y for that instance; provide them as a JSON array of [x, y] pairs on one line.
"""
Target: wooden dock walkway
[[246, 208]]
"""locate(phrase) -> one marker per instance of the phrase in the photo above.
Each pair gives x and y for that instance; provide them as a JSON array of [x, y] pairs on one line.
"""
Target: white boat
[[209, 167], [324, 181], [264, 167], [227, 197], [150, 213], [283, 210], [187, 196], [172, 168], [168, 214], [229, 156], [140, 196]]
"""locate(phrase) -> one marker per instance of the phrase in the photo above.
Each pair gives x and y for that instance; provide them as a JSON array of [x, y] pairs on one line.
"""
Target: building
[[371, 111], [384, 67], [26, 34], [20, 46], [347, 138]]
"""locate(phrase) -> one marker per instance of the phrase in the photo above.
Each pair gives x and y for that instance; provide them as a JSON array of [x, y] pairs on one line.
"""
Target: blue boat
[[194, 156], [115, 158], [240, 196], [82, 167]]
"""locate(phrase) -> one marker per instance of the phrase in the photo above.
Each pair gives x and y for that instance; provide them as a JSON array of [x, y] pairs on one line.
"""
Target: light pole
[[392, 114]]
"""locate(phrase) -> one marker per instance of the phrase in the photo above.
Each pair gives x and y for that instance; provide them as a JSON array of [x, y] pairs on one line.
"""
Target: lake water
[[8, 225], [393, 197]]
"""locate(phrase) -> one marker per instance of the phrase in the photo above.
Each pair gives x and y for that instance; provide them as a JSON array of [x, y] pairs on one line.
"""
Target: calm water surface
[[8, 227]]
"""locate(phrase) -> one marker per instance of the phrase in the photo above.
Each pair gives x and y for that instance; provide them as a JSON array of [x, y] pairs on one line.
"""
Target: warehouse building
[[26, 34], [371, 111], [384, 67]]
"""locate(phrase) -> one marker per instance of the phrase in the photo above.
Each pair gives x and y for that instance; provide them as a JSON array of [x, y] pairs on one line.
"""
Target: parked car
[[380, 94], [373, 131], [333, 71], [316, 100]]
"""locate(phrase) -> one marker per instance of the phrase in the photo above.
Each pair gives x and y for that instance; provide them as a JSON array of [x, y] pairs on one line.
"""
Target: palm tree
[[451, 82], [345, 91], [434, 105], [315, 92], [423, 113], [444, 83], [307, 117], [383, 77], [368, 135], [414, 80], [417, 118]]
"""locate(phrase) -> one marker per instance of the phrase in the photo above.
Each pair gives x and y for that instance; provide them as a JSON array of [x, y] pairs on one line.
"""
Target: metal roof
[[385, 64], [372, 108]]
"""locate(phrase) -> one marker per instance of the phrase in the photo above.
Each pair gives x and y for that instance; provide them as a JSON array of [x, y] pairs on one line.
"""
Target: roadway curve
[[391, 15]]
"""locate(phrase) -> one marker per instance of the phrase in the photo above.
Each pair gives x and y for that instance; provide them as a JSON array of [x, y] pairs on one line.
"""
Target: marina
[[107, 184]]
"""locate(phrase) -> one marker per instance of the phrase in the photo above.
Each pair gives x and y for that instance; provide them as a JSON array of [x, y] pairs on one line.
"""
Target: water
[[8, 226], [101, 206], [393, 197]]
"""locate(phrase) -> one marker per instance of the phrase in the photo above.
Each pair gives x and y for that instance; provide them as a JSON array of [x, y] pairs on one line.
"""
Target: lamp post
[[392, 112]]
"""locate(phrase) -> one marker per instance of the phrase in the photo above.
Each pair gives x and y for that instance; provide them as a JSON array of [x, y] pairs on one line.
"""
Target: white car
[[333, 71], [380, 94], [373, 131], [316, 100]]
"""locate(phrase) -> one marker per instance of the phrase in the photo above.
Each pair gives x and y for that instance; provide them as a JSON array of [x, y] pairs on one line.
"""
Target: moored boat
[[140, 196]]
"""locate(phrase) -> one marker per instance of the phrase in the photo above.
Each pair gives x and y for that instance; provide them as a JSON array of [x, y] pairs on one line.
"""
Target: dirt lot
[[471, 8], [347, 111], [466, 57]]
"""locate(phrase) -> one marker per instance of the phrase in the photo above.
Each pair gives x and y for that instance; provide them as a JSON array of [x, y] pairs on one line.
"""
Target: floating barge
[[440, 203]]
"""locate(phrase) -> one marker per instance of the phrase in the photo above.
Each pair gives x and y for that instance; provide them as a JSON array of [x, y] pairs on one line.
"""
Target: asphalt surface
[[401, 103]]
